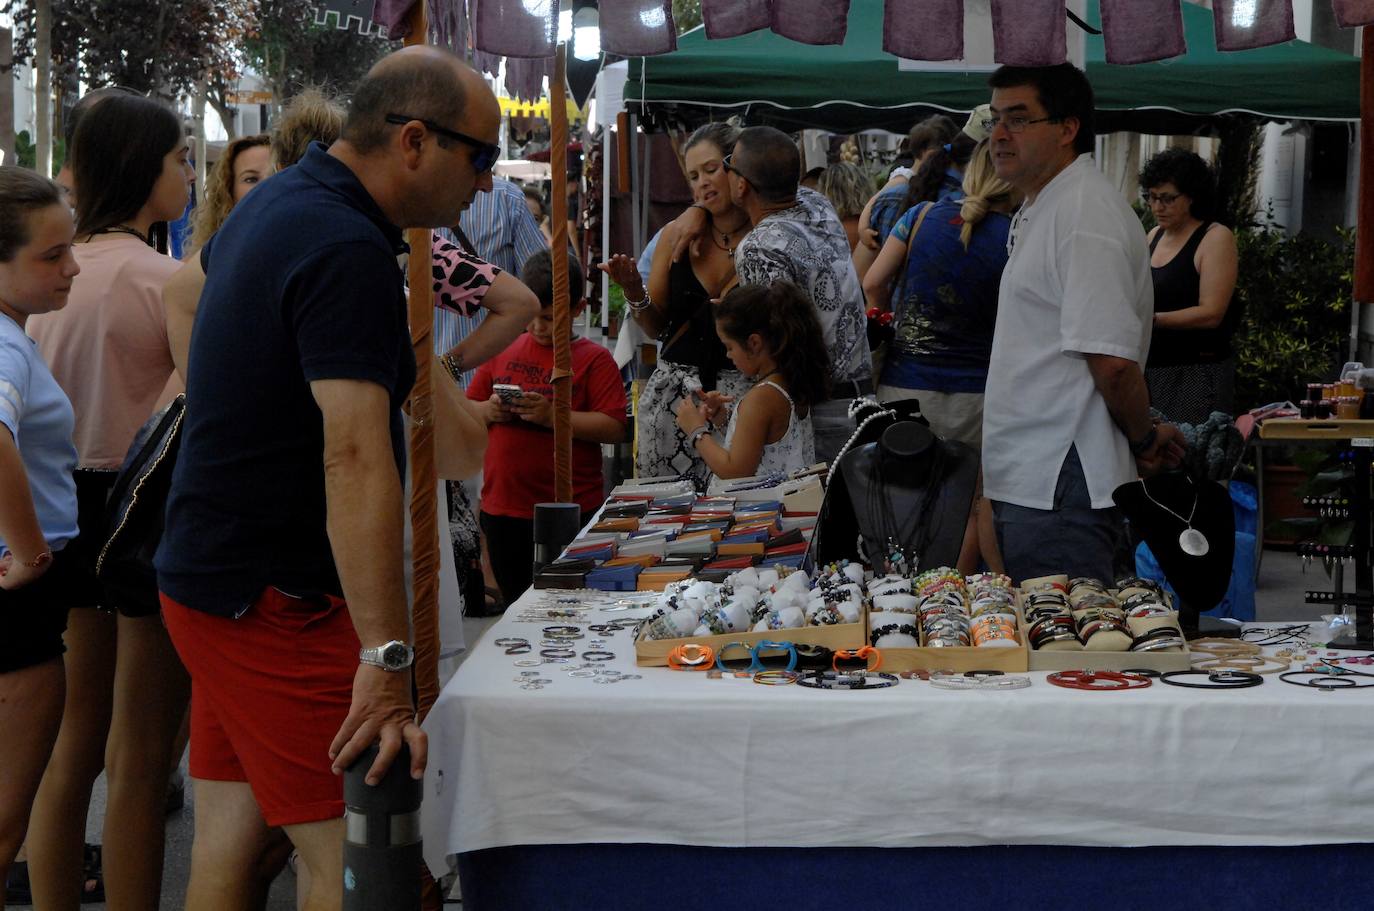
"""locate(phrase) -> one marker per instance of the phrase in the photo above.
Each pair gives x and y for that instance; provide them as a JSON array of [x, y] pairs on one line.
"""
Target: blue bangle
[[750, 668], [766, 645]]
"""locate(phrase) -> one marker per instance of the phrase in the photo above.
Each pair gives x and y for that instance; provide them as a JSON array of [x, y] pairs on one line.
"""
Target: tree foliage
[[155, 46], [290, 51]]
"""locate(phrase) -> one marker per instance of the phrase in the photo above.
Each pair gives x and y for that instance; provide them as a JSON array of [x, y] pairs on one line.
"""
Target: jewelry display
[[776, 678], [1215, 679], [978, 683], [1326, 682], [1102, 681], [1191, 541], [861, 655], [847, 680], [691, 657]]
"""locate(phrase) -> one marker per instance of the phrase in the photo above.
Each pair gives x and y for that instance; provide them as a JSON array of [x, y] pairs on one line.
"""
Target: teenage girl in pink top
[[108, 350]]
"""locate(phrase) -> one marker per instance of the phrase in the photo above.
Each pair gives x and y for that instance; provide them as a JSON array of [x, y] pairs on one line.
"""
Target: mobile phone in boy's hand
[[507, 392]]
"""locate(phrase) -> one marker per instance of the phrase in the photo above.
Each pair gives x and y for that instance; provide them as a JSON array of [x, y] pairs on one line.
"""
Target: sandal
[[19, 891], [93, 880], [17, 888]]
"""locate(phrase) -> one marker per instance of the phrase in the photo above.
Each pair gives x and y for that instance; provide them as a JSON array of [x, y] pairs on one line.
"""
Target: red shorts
[[269, 691]]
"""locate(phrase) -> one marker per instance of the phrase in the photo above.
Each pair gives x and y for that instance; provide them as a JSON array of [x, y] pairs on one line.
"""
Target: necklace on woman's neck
[[124, 229], [724, 242]]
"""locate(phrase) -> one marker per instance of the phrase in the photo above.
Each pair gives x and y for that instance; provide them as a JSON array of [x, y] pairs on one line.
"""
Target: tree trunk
[[7, 97], [198, 128], [226, 114], [43, 86]]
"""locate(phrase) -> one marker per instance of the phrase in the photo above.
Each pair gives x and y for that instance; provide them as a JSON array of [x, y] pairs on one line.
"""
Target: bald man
[[281, 564]]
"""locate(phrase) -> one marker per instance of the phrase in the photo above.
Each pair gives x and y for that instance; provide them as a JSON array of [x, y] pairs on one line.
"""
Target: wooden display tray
[[959, 659], [1301, 429], [654, 652], [963, 658], [1110, 661]]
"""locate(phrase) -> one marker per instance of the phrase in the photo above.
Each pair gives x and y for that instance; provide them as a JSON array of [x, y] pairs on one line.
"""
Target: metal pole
[[382, 848]]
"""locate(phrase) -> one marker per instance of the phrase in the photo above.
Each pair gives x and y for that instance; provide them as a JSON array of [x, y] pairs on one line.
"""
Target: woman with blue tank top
[[1191, 371], [38, 510]]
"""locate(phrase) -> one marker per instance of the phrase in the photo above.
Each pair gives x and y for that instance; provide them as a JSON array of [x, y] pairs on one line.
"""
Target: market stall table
[[620, 795]]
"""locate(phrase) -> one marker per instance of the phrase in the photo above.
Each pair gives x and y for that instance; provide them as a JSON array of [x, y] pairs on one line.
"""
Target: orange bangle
[[864, 654], [691, 657]]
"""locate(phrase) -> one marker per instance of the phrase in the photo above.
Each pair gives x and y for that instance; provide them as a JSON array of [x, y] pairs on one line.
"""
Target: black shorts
[[33, 618], [92, 497]]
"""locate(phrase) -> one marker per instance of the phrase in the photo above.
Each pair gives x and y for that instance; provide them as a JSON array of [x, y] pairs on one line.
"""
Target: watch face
[[396, 655]]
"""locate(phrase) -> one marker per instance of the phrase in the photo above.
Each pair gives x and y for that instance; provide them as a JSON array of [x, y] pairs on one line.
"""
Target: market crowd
[[1032, 318]]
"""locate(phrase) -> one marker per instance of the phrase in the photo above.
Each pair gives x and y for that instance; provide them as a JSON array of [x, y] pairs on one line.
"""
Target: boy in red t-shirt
[[518, 469]]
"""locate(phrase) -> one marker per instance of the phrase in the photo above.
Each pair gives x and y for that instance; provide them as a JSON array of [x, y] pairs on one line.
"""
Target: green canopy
[[855, 86]]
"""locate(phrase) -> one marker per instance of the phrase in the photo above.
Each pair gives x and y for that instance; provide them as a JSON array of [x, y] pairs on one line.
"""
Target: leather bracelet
[[859, 654], [1098, 680], [691, 657], [745, 665], [1142, 446], [776, 678], [787, 648], [1216, 680]]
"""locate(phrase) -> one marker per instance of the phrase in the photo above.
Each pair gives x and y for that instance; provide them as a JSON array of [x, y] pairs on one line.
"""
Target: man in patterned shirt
[[798, 237]]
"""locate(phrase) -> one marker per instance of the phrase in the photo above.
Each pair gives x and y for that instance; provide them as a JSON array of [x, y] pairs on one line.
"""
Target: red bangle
[[1099, 680]]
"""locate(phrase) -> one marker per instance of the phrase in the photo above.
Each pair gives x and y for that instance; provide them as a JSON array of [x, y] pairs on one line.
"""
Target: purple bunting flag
[[1244, 24], [924, 29], [637, 28], [391, 15], [1142, 31], [1029, 32], [729, 18], [515, 28], [1350, 13], [812, 21]]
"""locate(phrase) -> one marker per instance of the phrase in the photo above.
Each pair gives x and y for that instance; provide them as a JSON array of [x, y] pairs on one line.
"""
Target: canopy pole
[[562, 318], [1364, 225]]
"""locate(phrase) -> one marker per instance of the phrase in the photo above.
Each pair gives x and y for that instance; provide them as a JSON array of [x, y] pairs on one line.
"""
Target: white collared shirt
[[1077, 282]]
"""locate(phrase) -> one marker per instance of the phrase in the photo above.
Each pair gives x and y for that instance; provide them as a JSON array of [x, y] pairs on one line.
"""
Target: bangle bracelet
[[640, 305], [1142, 446], [691, 657], [695, 438], [42, 559], [776, 678]]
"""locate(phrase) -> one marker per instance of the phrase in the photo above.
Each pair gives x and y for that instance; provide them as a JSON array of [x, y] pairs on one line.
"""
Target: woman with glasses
[[675, 307], [1191, 370]]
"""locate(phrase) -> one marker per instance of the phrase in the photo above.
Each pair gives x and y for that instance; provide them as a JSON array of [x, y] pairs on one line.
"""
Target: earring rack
[[1360, 437]]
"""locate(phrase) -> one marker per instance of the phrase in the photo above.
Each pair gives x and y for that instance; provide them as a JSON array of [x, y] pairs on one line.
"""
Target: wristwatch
[[390, 656]]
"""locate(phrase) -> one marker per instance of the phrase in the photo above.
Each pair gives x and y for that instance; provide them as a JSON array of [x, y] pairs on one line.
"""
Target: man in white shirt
[[1067, 416]]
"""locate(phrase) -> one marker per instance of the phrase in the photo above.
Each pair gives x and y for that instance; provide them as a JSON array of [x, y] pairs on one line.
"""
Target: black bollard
[[555, 525], [382, 858]]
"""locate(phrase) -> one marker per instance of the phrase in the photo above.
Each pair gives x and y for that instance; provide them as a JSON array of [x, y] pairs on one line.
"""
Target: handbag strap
[[901, 280]]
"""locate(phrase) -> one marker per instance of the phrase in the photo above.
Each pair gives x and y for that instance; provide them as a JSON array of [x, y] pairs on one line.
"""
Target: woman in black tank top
[[1191, 368]]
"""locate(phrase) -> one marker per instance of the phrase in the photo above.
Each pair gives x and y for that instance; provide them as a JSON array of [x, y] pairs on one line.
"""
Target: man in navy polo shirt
[[281, 564]]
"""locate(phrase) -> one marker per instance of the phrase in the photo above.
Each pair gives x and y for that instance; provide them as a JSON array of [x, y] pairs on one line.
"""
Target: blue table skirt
[[602, 877]]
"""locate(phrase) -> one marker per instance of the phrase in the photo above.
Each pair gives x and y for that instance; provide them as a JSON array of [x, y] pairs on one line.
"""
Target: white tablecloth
[[676, 758]]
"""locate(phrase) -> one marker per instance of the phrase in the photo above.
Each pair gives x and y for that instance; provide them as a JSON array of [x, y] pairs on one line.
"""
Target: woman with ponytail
[[946, 303], [772, 335]]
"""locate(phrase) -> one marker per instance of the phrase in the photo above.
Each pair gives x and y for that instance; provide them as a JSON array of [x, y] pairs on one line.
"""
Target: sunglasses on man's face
[[728, 164], [484, 154]]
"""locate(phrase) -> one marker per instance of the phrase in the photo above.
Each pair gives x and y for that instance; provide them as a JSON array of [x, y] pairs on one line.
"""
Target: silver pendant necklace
[[1191, 541]]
